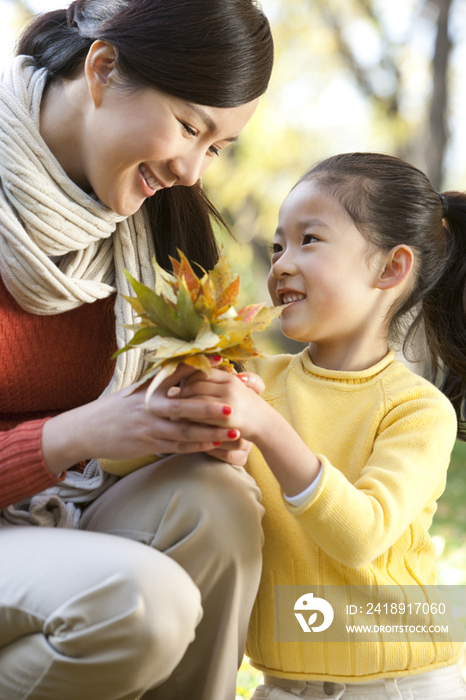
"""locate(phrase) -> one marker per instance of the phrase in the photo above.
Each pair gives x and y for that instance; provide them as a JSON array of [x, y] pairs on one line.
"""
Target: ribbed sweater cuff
[[23, 471]]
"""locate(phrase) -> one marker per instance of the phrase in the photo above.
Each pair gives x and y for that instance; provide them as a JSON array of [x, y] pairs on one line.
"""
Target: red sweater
[[48, 364]]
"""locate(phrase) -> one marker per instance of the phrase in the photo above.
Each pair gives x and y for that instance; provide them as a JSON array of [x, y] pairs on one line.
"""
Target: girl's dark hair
[[392, 203], [210, 52]]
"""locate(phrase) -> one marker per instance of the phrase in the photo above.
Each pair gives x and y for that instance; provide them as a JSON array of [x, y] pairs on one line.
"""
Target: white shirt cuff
[[302, 497]]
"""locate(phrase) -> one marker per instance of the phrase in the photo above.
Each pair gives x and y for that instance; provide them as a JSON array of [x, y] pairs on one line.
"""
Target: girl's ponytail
[[443, 310]]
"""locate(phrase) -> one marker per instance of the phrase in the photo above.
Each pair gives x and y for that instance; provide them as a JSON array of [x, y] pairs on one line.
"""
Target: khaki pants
[[150, 598]]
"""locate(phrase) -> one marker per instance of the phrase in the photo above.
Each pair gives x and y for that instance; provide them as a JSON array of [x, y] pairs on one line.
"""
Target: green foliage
[[449, 525], [450, 518], [248, 679]]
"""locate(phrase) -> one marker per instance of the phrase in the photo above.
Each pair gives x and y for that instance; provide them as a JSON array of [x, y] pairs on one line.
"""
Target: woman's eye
[[189, 129], [213, 150]]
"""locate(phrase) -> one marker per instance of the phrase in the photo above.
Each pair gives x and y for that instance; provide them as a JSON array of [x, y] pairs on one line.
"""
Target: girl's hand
[[119, 426], [236, 452], [247, 415], [242, 408]]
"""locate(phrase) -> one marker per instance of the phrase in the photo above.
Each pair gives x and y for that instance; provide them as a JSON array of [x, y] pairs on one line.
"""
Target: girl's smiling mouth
[[287, 296]]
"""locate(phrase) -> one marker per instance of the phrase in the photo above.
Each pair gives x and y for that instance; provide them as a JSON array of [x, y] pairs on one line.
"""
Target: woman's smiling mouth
[[150, 181]]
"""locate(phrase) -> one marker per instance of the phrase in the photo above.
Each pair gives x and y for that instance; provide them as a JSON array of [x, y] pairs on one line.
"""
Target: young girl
[[352, 448]]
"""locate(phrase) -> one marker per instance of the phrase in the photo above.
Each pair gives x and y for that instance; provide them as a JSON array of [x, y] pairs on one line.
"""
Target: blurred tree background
[[350, 75]]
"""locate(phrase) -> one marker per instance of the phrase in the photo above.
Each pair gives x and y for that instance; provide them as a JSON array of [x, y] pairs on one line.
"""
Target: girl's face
[[321, 267], [136, 143]]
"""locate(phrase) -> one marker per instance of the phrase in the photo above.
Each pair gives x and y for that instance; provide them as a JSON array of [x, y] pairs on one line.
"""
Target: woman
[[111, 112]]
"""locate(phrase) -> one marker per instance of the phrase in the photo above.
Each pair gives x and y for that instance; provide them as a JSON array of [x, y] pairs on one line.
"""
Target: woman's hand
[[235, 452], [119, 426]]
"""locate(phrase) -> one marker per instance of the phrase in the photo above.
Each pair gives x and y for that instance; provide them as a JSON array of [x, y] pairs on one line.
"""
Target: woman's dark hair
[[392, 203], [210, 52]]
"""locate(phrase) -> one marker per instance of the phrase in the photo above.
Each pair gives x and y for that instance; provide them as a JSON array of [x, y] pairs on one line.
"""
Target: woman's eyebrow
[[207, 119]]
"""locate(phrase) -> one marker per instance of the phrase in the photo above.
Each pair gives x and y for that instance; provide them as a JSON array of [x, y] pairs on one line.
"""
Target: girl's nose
[[284, 265]]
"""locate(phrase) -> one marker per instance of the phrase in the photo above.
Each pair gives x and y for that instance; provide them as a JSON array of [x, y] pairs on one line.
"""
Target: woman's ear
[[101, 62], [397, 265]]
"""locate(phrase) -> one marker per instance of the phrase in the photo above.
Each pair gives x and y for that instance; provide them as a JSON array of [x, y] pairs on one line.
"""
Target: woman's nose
[[189, 167]]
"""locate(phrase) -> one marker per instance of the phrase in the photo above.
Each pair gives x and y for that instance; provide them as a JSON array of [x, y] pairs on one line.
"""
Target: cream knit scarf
[[44, 215]]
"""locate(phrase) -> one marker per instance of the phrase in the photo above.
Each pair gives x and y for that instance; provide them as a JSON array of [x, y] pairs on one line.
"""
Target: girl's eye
[[309, 238], [275, 248], [214, 150]]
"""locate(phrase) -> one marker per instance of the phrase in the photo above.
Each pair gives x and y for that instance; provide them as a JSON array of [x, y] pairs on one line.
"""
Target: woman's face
[[136, 143]]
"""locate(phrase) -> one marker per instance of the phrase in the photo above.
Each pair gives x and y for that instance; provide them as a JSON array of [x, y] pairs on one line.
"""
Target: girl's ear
[[396, 267], [100, 63]]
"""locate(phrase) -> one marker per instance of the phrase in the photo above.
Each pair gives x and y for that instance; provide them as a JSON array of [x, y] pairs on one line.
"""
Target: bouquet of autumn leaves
[[189, 317]]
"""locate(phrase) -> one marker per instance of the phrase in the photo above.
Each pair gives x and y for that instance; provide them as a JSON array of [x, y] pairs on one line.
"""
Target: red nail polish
[[217, 444], [217, 358], [243, 377], [233, 434], [226, 410]]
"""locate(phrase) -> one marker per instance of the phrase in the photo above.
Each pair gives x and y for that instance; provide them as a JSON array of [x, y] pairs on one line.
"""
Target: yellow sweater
[[384, 436]]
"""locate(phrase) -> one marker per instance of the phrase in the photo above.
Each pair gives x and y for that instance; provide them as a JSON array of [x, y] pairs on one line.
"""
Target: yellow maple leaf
[[188, 318]]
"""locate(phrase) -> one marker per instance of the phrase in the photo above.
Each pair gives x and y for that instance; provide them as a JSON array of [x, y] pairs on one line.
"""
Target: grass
[[248, 679], [448, 528]]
